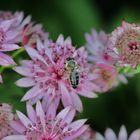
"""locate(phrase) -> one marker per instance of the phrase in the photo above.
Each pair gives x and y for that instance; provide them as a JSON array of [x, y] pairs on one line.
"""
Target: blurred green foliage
[[74, 18]]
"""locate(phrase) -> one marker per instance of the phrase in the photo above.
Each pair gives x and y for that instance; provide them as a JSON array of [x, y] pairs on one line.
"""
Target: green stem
[[16, 53]]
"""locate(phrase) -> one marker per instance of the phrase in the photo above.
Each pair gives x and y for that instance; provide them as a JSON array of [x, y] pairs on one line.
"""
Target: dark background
[[74, 18]]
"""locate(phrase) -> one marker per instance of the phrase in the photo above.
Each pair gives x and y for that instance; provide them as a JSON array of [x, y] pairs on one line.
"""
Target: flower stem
[[16, 53]]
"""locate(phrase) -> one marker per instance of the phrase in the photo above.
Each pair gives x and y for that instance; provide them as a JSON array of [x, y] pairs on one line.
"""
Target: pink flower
[[97, 48], [6, 116], [125, 43], [28, 32], [31, 33], [41, 126], [107, 76], [110, 135], [53, 78]]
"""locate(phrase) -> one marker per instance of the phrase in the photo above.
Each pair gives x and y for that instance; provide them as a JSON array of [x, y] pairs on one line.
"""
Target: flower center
[[37, 132], [133, 46], [105, 75], [129, 47]]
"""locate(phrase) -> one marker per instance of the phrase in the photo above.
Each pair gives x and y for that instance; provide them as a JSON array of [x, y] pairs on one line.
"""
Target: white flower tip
[[68, 40], [84, 120], [60, 39], [18, 112]]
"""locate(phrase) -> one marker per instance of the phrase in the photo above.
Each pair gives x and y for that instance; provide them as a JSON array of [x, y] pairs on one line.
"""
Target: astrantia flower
[[6, 116], [28, 31], [41, 126], [110, 135], [31, 33], [125, 42], [50, 78], [97, 48], [105, 76]]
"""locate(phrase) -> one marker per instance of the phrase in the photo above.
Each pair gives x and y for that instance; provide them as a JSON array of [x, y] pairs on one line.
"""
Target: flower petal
[[25, 82], [135, 135], [35, 55], [41, 115], [15, 137], [26, 122], [8, 47], [76, 102], [6, 60], [110, 135], [33, 92], [122, 134], [31, 112], [18, 126]]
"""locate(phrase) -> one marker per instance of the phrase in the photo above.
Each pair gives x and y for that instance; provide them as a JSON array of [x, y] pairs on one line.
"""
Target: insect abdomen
[[74, 79]]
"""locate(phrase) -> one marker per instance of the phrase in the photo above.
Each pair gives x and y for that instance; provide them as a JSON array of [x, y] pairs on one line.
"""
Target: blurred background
[[74, 18]]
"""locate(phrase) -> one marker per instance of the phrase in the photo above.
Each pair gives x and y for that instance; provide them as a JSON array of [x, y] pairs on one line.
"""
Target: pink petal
[[48, 53], [11, 36], [5, 60], [25, 82], [18, 126], [77, 133], [31, 112], [5, 25], [66, 98], [76, 102], [25, 21], [41, 114], [69, 117], [15, 137], [24, 71], [33, 92], [35, 55], [88, 94], [40, 46], [75, 125], [26, 122], [64, 113], [51, 110], [8, 47]]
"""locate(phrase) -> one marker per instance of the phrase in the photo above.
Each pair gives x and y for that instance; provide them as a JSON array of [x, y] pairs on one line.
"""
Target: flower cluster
[[46, 126], [57, 74], [16, 30], [103, 61], [51, 77]]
